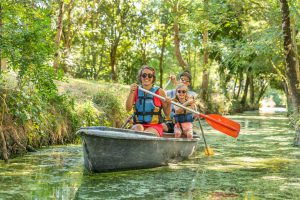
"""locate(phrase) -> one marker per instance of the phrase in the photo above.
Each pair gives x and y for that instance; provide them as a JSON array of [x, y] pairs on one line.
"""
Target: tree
[[290, 59], [1, 37], [177, 12], [205, 72], [59, 28]]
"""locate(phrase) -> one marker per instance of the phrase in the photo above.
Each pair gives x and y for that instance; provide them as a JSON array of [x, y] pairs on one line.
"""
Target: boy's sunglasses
[[183, 80], [181, 91], [144, 75]]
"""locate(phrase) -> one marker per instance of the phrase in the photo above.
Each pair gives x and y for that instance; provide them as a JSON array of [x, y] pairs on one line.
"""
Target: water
[[260, 164]]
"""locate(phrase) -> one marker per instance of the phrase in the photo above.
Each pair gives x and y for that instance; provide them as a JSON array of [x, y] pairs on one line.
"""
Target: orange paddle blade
[[223, 124]]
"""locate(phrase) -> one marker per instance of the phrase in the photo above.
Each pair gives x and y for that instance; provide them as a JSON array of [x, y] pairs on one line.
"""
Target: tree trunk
[[234, 86], [3, 145], [294, 34], [84, 60], [58, 35], [116, 33], [1, 40], [178, 54], [113, 58], [144, 53], [288, 97], [161, 58], [251, 90], [245, 94], [100, 66], [289, 56], [240, 85], [290, 59], [205, 76], [67, 35], [205, 73], [262, 89]]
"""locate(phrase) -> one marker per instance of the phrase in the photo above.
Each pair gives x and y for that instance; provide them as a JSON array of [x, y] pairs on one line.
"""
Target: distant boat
[[113, 149]]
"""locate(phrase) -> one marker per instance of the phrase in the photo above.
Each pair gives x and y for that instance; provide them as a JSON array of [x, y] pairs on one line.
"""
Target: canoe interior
[[128, 131]]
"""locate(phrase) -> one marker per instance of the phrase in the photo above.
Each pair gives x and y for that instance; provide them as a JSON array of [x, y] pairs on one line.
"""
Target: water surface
[[260, 164]]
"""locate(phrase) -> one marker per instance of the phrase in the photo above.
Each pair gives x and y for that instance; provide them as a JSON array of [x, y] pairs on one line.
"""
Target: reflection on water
[[260, 164]]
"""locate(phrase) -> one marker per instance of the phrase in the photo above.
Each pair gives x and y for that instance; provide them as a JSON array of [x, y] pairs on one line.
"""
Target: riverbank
[[31, 120]]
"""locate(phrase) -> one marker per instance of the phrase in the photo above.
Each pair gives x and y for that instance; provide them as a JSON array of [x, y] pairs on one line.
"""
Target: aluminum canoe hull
[[113, 149]]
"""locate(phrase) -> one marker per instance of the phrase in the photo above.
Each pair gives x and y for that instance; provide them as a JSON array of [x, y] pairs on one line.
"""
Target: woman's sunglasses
[[149, 75], [181, 91]]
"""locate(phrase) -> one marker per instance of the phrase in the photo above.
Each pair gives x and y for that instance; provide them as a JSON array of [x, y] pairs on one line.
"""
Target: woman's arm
[[131, 96], [165, 104]]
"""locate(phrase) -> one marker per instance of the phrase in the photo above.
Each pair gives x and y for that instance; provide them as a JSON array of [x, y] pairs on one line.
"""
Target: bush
[[112, 108], [89, 115]]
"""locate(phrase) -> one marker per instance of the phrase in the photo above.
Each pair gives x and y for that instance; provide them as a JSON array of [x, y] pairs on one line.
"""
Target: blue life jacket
[[181, 118], [172, 94], [145, 110], [185, 116]]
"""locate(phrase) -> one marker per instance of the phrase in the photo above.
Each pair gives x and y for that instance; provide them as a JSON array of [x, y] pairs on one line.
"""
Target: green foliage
[[25, 105], [28, 47], [41, 117], [26, 36], [89, 115]]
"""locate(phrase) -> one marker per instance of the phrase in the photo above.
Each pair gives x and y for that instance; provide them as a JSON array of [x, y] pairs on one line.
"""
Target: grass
[[82, 90]]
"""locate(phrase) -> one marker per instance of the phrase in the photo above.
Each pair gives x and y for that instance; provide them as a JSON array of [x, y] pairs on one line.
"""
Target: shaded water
[[260, 164]]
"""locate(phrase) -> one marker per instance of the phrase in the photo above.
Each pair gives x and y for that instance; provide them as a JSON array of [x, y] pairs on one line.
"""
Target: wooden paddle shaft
[[191, 110], [167, 84], [163, 98]]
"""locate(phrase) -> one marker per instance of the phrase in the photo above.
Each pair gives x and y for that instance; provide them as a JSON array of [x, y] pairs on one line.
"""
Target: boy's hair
[[141, 71], [187, 74]]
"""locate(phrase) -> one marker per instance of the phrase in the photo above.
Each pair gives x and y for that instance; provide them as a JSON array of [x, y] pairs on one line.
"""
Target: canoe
[[113, 149]]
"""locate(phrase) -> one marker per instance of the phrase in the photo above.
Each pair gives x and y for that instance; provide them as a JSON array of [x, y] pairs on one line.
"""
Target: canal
[[260, 164]]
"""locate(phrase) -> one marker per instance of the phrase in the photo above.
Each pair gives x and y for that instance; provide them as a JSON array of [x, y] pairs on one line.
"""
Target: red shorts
[[157, 127]]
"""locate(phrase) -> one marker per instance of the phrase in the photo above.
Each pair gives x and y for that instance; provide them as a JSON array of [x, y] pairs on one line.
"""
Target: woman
[[147, 108]]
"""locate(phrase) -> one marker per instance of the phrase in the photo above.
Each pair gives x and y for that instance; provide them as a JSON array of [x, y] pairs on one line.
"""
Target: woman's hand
[[168, 100], [130, 98], [133, 87]]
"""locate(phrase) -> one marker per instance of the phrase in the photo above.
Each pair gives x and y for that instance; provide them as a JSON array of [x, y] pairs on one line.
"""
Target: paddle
[[208, 151], [216, 121], [169, 81], [127, 121]]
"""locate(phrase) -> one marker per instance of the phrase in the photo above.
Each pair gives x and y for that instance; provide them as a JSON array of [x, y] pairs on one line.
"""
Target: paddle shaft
[[127, 120], [169, 81], [191, 110], [202, 132]]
